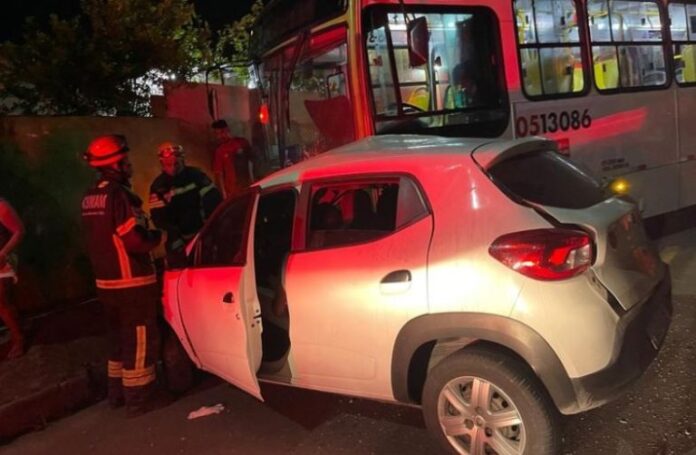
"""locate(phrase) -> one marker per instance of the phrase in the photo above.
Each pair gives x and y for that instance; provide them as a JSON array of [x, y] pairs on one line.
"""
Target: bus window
[[460, 87], [627, 50], [683, 28], [548, 38], [320, 112]]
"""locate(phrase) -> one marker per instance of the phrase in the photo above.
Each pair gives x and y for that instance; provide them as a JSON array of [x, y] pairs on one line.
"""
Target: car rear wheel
[[481, 402]]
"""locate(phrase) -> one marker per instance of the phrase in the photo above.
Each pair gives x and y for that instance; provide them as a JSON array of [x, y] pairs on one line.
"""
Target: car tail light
[[545, 254]]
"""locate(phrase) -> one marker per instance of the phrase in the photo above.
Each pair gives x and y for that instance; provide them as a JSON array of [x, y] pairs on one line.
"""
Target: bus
[[613, 82]]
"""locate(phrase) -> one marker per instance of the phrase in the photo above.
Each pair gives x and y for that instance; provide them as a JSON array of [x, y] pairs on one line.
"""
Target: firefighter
[[181, 199], [119, 244]]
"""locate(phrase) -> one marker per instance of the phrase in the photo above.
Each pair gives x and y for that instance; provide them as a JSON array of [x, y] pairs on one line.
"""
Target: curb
[[33, 412]]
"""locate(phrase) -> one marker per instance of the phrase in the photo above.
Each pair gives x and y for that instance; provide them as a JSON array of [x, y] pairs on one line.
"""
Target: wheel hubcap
[[478, 418]]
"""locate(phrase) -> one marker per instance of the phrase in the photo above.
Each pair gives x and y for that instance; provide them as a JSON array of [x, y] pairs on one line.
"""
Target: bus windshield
[[458, 91]]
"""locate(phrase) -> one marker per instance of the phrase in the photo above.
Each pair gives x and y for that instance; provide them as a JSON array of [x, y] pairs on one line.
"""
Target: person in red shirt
[[11, 232], [232, 164]]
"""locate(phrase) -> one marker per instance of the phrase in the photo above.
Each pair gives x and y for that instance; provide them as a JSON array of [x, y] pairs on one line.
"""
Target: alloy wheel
[[478, 418]]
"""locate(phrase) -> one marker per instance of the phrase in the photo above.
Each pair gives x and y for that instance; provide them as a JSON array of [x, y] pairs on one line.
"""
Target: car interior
[[272, 239]]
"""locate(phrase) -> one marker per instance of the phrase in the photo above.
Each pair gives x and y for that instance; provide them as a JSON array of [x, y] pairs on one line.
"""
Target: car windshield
[[457, 89], [547, 178]]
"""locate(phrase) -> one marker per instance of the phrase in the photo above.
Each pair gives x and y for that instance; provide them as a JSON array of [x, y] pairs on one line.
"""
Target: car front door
[[218, 305]]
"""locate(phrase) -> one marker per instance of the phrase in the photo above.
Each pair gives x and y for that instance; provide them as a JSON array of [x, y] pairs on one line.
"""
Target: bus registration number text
[[552, 122]]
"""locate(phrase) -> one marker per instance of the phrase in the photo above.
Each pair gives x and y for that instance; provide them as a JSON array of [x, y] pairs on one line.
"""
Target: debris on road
[[206, 411]]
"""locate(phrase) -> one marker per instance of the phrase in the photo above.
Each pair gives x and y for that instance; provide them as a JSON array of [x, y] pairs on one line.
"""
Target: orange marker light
[[620, 186]]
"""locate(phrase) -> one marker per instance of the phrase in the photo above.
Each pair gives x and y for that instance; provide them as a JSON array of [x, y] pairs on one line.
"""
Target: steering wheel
[[411, 108]]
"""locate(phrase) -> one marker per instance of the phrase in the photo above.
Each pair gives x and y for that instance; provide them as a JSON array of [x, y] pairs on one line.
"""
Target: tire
[[178, 368], [517, 417]]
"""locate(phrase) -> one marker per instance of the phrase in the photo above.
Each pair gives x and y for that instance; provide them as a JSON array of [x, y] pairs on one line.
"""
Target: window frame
[[665, 42], [377, 119], [585, 51], [673, 41], [194, 255], [302, 228]]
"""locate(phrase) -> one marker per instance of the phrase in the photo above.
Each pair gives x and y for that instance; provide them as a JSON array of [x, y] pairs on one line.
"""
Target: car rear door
[[219, 310], [360, 276]]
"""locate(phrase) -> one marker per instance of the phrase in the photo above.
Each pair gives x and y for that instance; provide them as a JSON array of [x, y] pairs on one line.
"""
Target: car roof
[[375, 148]]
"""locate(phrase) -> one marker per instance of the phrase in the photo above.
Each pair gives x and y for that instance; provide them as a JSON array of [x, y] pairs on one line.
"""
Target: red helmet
[[105, 150], [167, 149]]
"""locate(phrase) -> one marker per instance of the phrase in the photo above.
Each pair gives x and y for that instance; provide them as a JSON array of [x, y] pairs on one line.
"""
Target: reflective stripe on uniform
[[126, 227], [123, 261], [183, 189], [206, 190], [140, 346], [115, 369], [127, 283], [139, 376]]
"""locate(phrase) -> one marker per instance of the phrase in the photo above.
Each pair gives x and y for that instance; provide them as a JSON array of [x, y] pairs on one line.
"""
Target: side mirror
[[418, 41]]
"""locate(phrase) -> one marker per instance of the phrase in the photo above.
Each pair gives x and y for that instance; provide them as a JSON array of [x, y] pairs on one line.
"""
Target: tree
[[103, 62], [232, 45]]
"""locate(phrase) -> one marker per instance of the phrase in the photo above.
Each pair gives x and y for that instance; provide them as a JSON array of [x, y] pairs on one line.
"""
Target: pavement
[[62, 371], [64, 368]]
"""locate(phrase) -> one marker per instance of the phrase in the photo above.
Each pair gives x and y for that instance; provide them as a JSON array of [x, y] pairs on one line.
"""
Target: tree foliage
[[104, 61], [230, 48]]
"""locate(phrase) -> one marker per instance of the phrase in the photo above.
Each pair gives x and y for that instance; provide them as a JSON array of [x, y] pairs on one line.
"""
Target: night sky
[[216, 12]]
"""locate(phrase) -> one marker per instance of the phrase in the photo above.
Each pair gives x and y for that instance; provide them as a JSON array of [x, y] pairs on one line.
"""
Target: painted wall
[[43, 175]]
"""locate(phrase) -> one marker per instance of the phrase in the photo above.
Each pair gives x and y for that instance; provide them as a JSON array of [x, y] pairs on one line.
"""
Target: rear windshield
[[547, 178]]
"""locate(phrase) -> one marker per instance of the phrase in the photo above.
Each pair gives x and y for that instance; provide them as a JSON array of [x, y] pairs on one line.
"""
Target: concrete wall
[[43, 175], [189, 102]]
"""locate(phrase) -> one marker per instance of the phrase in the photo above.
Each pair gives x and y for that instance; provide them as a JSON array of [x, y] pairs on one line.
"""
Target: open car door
[[219, 308]]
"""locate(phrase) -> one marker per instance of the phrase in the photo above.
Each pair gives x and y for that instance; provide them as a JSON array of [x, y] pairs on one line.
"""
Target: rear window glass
[[547, 178]]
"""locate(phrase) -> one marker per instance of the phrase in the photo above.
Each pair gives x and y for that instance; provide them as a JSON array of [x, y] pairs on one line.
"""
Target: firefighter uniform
[[119, 244], [180, 204]]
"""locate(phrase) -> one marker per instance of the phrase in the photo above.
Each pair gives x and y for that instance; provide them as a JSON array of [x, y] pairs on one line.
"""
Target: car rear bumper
[[642, 340]]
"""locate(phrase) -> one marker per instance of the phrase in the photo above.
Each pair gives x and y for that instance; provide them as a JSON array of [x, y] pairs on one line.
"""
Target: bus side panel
[[686, 111], [613, 135], [656, 189]]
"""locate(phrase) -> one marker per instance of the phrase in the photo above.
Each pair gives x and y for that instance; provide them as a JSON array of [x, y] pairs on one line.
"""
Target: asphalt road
[[657, 416]]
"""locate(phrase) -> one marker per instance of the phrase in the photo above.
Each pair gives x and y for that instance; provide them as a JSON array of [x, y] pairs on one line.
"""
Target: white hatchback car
[[492, 283]]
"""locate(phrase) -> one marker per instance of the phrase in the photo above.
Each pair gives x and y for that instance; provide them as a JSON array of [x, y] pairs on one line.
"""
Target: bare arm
[[10, 219]]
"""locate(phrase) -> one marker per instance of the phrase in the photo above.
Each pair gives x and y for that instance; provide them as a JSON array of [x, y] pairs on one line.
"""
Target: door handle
[[397, 276], [228, 298]]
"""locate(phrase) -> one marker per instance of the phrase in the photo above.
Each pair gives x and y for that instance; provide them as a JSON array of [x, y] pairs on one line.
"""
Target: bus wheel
[[479, 401]]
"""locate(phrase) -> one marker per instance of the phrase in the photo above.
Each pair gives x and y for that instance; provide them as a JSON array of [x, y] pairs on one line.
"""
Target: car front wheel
[[482, 402]]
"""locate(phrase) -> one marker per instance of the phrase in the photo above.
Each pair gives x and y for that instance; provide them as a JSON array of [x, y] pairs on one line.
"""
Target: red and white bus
[[612, 81]]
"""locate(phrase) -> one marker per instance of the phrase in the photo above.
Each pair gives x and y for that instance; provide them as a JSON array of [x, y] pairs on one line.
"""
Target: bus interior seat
[[606, 71], [532, 78], [688, 53], [420, 98]]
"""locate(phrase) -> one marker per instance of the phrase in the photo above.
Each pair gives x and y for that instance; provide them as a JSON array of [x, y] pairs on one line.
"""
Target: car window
[[223, 241], [547, 178], [273, 231], [354, 212]]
